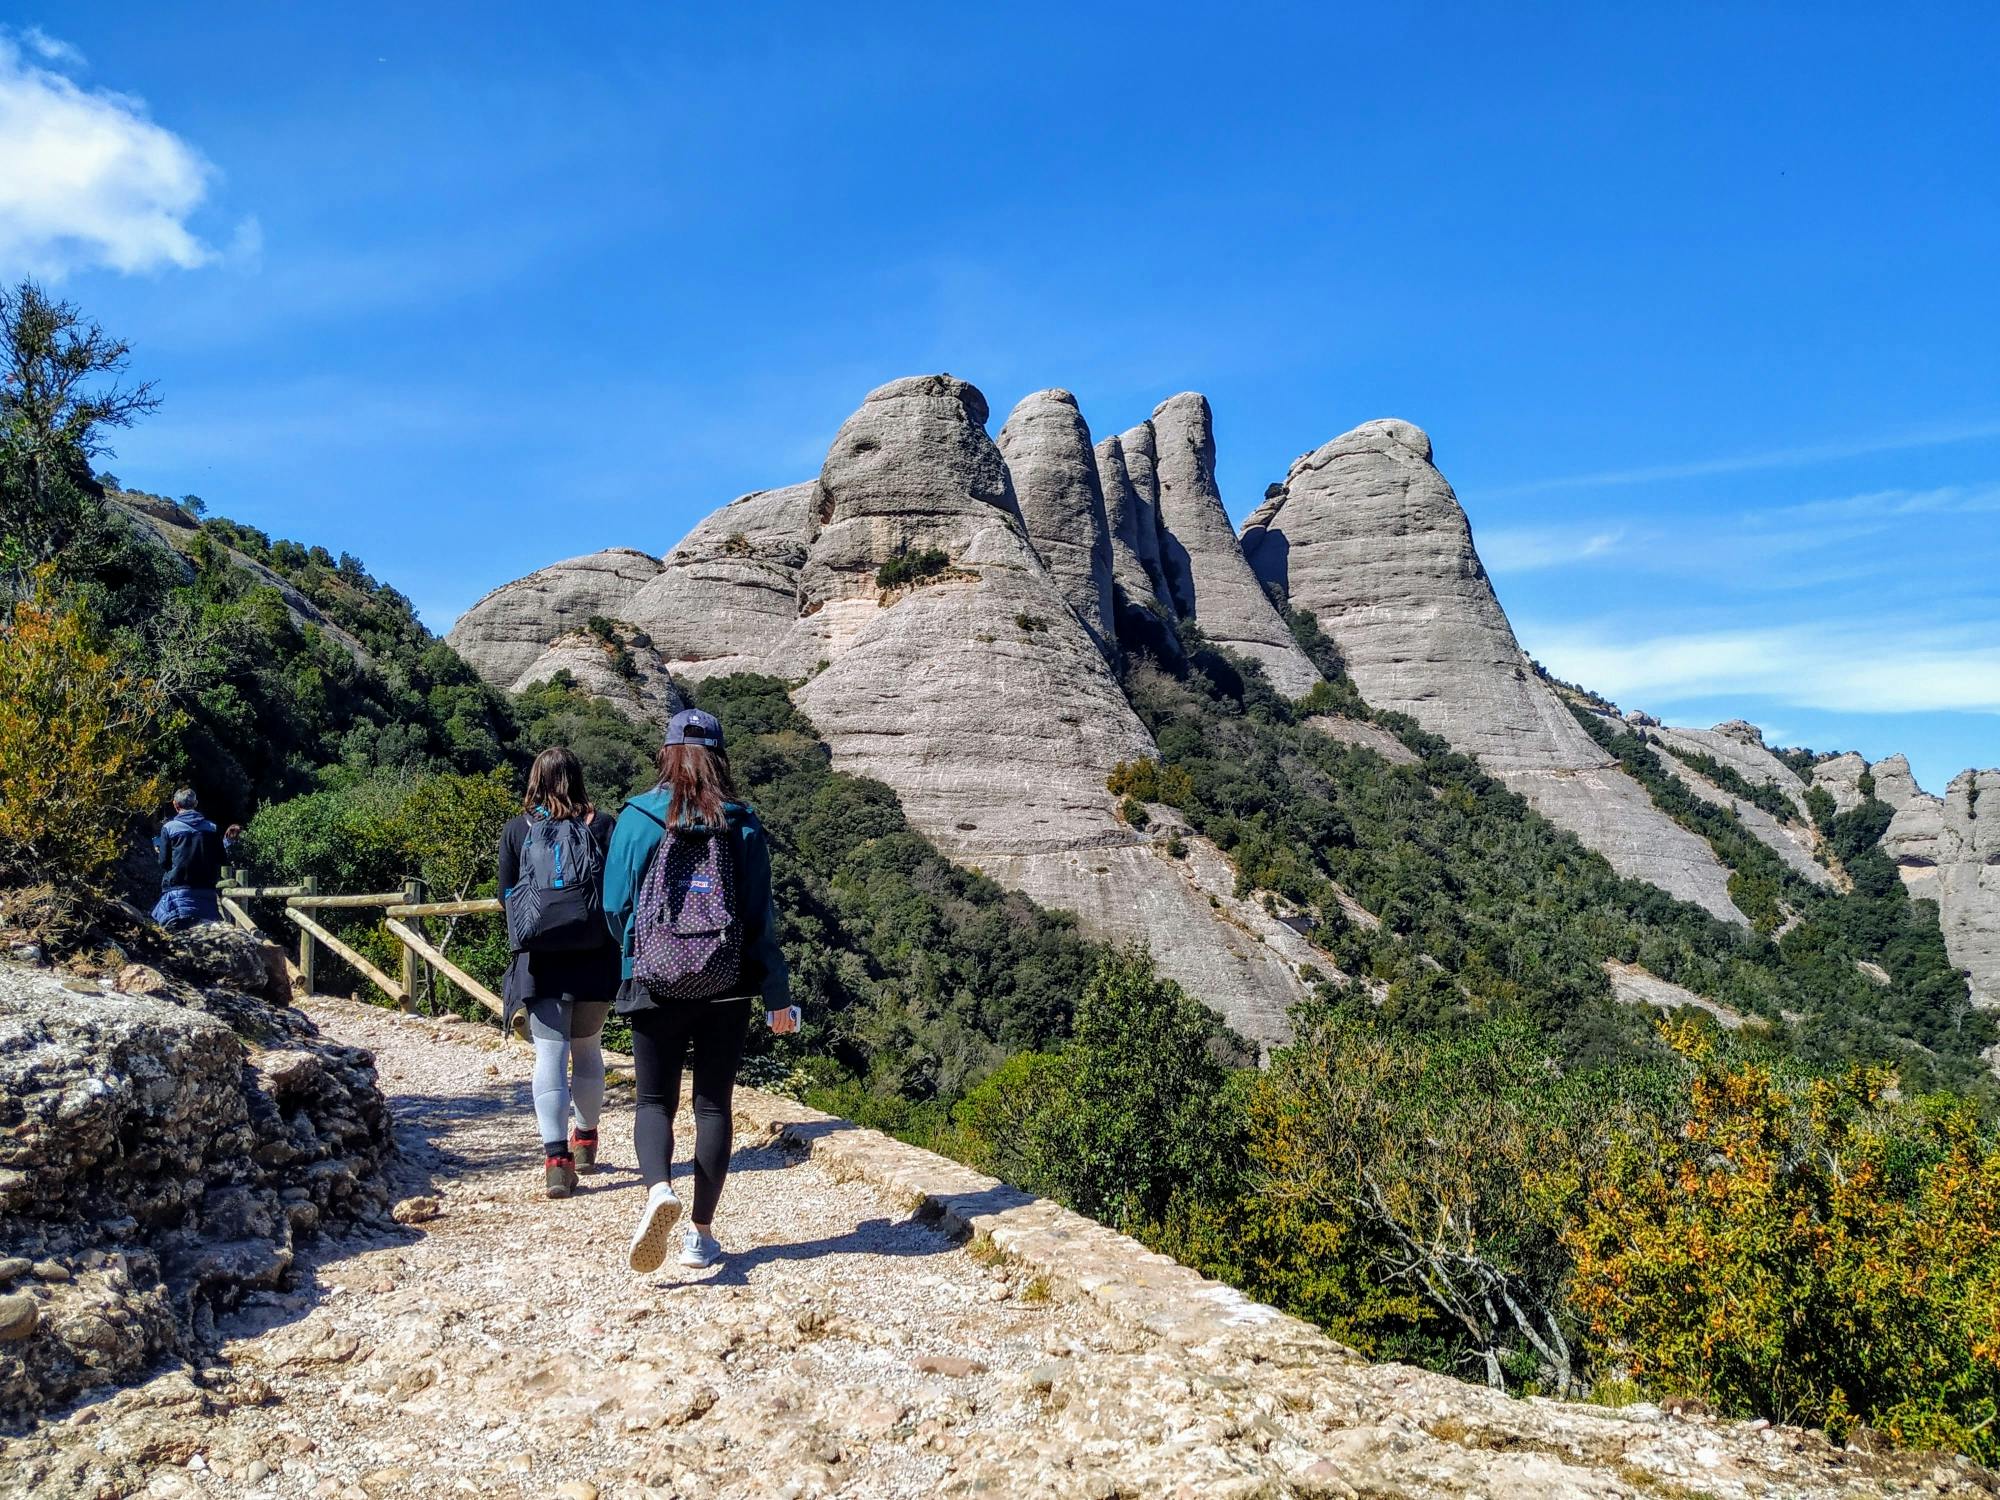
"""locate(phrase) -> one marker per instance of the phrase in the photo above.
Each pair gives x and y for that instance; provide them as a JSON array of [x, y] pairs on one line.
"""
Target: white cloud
[[1880, 668], [87, 179], [1523, 549]]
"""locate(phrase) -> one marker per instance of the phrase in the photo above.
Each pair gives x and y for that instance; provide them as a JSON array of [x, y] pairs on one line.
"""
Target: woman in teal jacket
[[694, 792]]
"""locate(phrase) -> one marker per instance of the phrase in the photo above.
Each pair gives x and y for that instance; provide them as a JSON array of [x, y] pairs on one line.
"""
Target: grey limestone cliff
[[1046, 446], [1367, 535], [504, 634], [1131, 522], [1207, 577]]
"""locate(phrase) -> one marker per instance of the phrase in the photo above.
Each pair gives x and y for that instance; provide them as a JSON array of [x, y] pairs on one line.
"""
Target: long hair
[[699, 780], [555, 785]]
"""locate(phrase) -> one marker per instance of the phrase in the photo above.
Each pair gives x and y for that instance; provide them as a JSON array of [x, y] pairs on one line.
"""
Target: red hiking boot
[[559, 1176], [583, 1145]]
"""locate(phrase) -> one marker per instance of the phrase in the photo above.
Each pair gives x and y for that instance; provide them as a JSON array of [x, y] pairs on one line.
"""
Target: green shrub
[[912, 567]]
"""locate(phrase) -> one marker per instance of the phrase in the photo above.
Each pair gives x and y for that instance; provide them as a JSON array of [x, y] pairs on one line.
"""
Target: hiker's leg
[[718, 1051], [548, 1028], [586, 1061], [659, 1045]]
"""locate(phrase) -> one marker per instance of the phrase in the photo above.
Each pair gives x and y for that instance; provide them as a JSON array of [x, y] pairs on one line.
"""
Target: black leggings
[[660, 1039]]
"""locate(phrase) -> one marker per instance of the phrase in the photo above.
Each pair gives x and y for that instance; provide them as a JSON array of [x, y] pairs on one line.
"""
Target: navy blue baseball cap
[[693, 727]]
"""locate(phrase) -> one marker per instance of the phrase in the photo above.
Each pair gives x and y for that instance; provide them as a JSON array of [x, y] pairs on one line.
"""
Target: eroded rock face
[[1739, 746], [1139, 583], [158, 1155], [1207, 577], [627, 671], [1968, 880], [1047, 449], [1841, 777], [503, 635], [727, 599], [1368, 536]]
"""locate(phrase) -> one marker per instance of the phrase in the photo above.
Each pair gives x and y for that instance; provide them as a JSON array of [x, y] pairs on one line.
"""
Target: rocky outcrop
[[627, 671], [1207, 577], [1968, 880], [1739, 746], [727, 599], [1367, 535], [980, 697], [1367, 736], [504, 634], [1840, 776], [1047, 450], [159, 1154], [1131, 522]]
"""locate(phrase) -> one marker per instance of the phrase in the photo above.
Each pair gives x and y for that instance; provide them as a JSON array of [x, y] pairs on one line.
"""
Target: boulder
[[728, 597], [1047, 449], [1368, 536], [1206, 574], [505, 633], [150, 1174]]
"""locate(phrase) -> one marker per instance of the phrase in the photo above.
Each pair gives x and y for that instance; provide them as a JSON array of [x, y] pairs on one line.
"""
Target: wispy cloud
[[1524, 549], [89, 180], [52, 49], [1877, 668], [1744, 463]]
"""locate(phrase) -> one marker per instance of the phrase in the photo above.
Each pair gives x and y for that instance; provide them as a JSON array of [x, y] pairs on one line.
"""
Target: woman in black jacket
[[568, 993]]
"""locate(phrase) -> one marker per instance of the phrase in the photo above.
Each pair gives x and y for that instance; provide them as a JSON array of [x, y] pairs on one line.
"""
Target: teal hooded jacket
[[641, 828]]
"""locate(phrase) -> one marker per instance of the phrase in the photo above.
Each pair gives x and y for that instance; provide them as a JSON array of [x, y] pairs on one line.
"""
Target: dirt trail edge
[[886, 1323]]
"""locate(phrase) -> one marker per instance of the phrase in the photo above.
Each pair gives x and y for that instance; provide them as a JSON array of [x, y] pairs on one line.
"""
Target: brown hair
[[555, 785], [699, 780]]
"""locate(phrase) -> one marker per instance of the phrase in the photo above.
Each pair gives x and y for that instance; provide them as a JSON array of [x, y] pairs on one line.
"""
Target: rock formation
[[1840, 776], [728, 597], [627, 671], [1739, 746], [1207, 577], [1969, 880], [1046, 447], [1137, 583], [503, 635], [1367, 535], [160, 1150], [981, 698]]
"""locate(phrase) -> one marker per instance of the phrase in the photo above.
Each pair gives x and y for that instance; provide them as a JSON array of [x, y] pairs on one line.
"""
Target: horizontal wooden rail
[[273, 892], [380, 980], [444, 908], [387, 898], [237, 915], [421, 945]]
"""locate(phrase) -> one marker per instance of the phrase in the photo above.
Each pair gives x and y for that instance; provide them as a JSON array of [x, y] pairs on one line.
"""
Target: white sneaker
[[649, 1240], [698, 1249]]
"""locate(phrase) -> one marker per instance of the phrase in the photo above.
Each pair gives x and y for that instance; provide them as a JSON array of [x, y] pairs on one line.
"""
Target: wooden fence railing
[[403, 916]]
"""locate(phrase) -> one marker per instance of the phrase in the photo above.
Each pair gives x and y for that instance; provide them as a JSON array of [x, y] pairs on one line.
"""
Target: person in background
[[564, 971], [232, 845], [190, 866], [687, 888]]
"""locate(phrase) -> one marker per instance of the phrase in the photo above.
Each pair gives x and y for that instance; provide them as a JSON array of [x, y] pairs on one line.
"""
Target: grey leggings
[[569, 1066]]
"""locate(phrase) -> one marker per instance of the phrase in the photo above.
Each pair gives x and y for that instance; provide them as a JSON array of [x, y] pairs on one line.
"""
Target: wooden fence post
[[308, 949], [416, 973]]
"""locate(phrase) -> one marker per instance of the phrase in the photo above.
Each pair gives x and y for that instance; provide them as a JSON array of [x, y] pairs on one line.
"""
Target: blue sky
[[1698, 304]]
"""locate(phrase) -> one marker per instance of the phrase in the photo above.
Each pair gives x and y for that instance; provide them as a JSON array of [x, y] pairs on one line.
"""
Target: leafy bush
[[912, 567], [78, 743], [1805, 1250]]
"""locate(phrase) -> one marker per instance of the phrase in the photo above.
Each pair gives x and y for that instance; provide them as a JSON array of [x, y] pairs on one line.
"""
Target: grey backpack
[[557, 902]]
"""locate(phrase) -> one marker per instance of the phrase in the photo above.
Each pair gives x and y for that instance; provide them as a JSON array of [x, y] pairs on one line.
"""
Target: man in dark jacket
[[190, 866]]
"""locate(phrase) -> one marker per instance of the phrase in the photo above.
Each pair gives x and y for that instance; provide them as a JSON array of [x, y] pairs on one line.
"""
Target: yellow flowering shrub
[[1815, 1252], [78, 744]]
